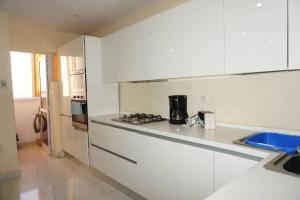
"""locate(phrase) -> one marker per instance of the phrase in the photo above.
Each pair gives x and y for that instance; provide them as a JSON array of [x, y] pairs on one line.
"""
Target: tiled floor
[[48, 178]]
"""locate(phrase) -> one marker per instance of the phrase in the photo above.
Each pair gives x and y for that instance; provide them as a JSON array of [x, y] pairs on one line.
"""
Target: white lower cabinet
[[66, 132], [118, 168], [80, 145], [113, 152], [158, 168], [195, 172], [119, 141], [228, 167], [74, 141], [157, 174]]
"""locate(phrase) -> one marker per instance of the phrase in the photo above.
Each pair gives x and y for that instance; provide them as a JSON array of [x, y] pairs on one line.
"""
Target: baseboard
[[10, 174]]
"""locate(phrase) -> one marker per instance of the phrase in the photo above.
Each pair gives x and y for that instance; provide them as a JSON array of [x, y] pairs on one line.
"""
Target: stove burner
[[139, 118]]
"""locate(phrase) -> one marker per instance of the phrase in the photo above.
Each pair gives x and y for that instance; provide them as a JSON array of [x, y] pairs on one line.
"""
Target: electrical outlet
[[205, 99]]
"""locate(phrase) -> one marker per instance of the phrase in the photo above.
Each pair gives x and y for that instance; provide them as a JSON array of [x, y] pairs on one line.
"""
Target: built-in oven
[[79, 114], [78, 86]]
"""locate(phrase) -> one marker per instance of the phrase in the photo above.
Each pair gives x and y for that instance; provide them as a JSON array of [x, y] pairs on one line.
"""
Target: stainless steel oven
[[79, 114]]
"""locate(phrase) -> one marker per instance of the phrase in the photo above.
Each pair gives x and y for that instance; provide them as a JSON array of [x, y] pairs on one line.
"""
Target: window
[[64, 75], [21, 69], [29, 74]]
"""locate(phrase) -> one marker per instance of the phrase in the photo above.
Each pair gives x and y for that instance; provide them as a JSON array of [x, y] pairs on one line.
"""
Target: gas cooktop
[[139, 118]]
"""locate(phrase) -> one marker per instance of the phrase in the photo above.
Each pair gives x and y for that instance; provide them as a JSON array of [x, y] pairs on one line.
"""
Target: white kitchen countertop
[[257, 183]]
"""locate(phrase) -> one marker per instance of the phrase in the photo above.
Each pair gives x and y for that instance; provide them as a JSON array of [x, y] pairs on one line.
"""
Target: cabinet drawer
[[119, 141], [118, 168]]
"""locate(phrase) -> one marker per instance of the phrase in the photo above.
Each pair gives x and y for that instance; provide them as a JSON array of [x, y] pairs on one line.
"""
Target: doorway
[[31, 75]]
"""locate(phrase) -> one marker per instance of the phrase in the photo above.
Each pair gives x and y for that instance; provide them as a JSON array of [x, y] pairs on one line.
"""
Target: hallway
[[47, 178]]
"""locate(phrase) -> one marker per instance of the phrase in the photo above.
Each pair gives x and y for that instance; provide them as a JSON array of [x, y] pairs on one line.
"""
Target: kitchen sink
[[272, 141], [293, 165], [287, 164]]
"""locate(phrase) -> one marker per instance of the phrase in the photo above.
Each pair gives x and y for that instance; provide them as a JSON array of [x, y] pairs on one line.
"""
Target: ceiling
[[75, 16]]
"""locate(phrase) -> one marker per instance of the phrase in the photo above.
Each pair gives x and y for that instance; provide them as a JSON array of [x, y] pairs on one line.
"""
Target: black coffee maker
[[178, 109]]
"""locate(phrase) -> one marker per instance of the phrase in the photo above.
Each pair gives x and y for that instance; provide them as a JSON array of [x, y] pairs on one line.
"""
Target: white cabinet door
[[202, 38], [119, 141], [102, 97], [75, 51], [80, 145], [129, 60], [66, 132], [164, 43], [64, 87], [157, 174], [195, 173], [109, 54], [229, 167], [294, 34], [120, 169], [255, 35]]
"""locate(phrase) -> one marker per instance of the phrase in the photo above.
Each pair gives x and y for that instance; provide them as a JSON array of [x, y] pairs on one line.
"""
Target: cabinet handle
[[115, 154], [80, 129]]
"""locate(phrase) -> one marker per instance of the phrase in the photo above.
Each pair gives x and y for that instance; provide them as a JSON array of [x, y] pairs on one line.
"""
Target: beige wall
[[8, 148], [29, 38], [267, 100], [137, 16]]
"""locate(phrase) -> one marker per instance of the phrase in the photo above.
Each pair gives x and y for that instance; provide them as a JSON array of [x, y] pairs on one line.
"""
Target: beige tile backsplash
[[268, 100]]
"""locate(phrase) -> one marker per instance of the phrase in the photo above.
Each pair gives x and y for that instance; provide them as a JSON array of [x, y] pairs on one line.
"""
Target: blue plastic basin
[[275, 141]]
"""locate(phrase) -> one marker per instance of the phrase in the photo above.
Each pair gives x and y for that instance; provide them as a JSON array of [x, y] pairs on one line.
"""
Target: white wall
[[25, 110], [8, 147]]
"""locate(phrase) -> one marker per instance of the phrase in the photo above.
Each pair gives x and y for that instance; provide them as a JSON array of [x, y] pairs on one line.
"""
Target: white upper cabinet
[[205, 37], [164, 40], [129, 60], [108, 58], [294, 34], [202, 40], [255, 35], [75, 51], [150, 49], [102, 98]]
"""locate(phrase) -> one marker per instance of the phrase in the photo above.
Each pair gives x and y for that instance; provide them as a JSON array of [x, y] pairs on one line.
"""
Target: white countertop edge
[[231, 147]]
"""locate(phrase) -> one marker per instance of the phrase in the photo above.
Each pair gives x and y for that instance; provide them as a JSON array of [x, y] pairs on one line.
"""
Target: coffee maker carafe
[[178, 109]]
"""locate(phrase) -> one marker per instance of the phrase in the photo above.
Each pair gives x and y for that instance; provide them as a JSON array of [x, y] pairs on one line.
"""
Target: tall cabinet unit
[[294, 34], [202, 38], [255, 35], [102, 98], [71, 57]]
